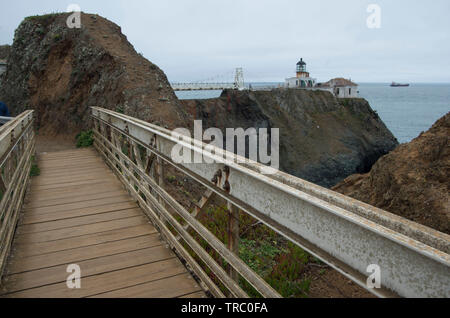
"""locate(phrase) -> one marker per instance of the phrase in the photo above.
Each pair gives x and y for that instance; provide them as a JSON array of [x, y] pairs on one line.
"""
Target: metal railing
[[143, 176], [16, 150], [346, 234], [4, 120]]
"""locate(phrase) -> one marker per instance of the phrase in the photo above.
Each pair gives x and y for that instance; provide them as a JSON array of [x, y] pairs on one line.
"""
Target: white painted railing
[[16, 150], [347, 234], [4, 120]]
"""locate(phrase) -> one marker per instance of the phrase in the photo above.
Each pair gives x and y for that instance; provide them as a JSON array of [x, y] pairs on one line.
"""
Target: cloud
[[196, 39]]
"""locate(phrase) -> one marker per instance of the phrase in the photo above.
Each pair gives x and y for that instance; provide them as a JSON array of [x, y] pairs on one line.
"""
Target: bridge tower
[[239, 79]]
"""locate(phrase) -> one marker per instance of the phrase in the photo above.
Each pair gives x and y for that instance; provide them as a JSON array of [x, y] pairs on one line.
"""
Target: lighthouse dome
[[301, 62]]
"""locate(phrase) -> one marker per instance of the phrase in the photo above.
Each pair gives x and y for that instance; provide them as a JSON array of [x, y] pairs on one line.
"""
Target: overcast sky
[[199, 39]]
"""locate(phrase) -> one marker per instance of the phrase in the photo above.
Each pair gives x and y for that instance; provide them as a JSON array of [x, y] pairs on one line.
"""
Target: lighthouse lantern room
[[301, 69], [302, 80]]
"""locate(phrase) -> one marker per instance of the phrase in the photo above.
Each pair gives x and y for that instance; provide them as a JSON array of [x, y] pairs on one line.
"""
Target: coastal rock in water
[[60, 72], [412, 181], [322, 139]]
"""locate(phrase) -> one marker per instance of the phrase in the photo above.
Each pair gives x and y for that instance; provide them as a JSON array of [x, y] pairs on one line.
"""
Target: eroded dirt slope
[[412, 181]]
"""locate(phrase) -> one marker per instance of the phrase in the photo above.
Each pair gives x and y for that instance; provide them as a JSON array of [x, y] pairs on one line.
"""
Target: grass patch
[[85, 139], [44, 19], [171, 179], [34, 171], [279, 262]]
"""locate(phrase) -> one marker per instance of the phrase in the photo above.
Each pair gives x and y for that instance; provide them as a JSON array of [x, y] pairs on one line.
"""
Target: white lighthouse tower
[[302, 80]]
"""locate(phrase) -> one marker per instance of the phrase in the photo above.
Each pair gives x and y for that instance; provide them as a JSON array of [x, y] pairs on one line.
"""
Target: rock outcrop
[[322, 139], [60, 72], [412, 181], [4, 51]]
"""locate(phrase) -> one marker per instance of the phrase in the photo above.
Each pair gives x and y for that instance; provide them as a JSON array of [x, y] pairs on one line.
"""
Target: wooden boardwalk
[[77, 212]]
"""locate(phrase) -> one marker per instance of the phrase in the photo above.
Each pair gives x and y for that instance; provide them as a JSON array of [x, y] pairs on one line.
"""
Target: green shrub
[[40, 31], [279, 262], [85, 139], [171, 179], [43, 19], [34, 171]]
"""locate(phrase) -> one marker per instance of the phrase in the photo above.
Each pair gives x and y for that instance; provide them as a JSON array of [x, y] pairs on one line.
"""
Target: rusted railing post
[[233, 236]]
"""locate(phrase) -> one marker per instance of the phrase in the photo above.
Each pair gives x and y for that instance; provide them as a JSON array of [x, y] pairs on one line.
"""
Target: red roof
[[339, 82]]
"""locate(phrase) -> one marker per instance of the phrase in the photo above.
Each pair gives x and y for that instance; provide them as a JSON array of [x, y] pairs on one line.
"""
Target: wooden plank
[[79, 213], [78, 205], [58, 192], [51, 195], [82, 220], [70, 163], [79, 230], [72, 199], [66, 156], [174, 286], [88, 268], [31, 218], [71, 172], [64, 165], [20, 265], [65, 179], [31, 249], [74, 183], [54, 154], [67, 166]]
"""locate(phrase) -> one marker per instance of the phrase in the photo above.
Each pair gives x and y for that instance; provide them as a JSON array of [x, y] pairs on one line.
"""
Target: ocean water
[[406, 111]]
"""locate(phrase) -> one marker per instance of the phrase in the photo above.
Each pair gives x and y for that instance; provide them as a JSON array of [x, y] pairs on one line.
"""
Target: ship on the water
[[394, 84]]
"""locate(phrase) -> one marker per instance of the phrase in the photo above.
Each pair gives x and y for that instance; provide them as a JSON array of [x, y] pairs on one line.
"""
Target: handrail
[[4, 120], [344, 233], [157, 202], [16, 149]]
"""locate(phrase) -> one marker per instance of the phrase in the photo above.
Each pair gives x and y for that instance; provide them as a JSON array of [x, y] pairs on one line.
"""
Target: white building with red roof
[[341, 87]]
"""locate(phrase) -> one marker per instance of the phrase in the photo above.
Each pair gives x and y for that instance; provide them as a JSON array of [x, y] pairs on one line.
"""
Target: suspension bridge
[[213, 84]]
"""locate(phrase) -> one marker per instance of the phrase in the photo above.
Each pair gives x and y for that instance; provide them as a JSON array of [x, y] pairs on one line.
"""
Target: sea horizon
[[406, 111]]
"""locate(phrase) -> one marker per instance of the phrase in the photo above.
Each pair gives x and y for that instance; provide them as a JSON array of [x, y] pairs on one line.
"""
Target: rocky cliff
[[60, 72], [322, 139], [4, 51], [412, 181]]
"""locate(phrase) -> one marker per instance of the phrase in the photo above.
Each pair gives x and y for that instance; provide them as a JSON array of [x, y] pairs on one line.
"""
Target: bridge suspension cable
[[234, 80]]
